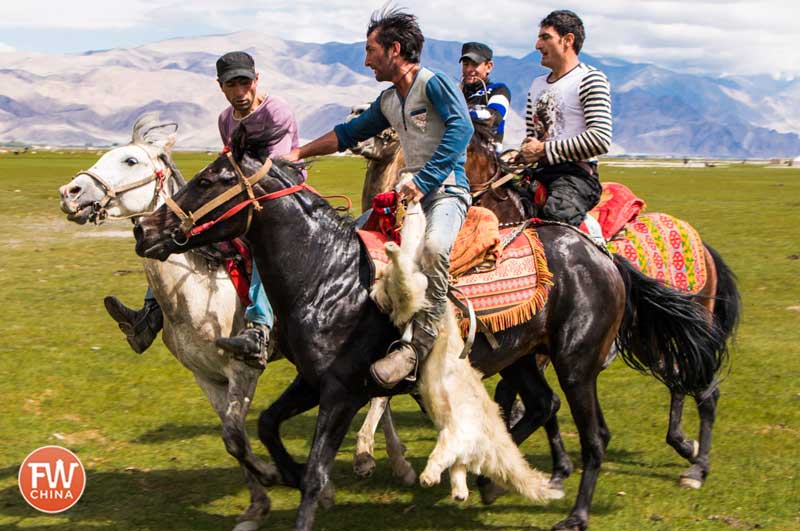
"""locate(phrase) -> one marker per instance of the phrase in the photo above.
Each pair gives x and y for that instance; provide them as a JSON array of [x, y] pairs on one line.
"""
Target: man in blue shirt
[[432, 121], [488, 102]]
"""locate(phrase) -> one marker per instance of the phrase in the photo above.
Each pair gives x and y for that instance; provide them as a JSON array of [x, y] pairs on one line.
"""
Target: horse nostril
[[138, 231], [75, 190]]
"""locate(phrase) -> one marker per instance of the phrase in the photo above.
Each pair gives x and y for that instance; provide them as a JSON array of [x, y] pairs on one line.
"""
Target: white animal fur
[[472, 435]]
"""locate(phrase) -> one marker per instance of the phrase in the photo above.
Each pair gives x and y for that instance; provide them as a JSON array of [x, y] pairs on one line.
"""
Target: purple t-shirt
[[272, 119]]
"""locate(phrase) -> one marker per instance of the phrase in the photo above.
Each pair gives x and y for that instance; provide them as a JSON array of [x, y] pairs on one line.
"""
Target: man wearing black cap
[[263, 116], [488, 102]]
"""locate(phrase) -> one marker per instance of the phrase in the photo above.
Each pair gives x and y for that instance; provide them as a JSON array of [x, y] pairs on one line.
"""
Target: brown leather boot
[[139, 326], [402, 360]]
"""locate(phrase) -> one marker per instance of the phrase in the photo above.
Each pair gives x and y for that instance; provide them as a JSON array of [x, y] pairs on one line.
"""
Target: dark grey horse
[[332, 331]]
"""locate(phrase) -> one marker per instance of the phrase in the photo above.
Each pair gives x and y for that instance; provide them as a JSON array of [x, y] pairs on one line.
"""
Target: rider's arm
[[345, 135], [449, 103], [366, 125], [595, 97]]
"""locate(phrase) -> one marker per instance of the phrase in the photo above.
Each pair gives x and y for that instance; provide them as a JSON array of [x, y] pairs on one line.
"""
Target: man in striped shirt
[[568, 121]]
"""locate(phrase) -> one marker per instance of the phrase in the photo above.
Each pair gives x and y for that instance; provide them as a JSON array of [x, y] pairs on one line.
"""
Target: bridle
[[99, 211], [189, 221]]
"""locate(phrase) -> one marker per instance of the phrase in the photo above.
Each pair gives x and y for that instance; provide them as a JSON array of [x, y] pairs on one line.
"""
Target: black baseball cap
[[476, 52], [235, 64]]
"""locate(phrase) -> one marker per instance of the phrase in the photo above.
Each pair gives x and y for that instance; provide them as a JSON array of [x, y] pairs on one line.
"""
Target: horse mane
[[289, 174], [483, 136]]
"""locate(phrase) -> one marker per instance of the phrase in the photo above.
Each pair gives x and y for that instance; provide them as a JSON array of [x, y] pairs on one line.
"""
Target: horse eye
[[203, 182], [131, 161]]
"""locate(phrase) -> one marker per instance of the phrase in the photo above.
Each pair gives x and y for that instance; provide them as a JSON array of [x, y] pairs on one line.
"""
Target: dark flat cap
[[476, 52], [235, 64]]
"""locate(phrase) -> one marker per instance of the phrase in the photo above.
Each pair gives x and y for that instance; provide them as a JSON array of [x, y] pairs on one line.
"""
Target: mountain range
[[92, 99]]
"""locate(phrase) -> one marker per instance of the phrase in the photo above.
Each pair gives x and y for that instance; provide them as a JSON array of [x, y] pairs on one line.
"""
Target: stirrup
[[412, 376]]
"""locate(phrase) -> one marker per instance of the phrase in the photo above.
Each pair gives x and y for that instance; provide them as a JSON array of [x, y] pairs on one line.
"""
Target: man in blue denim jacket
[[432, 121]]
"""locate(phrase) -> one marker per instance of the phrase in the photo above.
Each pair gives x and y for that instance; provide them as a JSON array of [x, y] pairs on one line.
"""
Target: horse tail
[[667, 334], [728, 300]]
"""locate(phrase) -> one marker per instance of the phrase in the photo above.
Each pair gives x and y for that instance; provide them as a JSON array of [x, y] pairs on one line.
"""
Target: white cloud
[[745, 36], [5, 48]]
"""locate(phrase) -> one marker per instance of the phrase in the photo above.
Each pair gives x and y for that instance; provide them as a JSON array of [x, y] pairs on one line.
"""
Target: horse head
[[216, 205], [127, 180], [380, 147]]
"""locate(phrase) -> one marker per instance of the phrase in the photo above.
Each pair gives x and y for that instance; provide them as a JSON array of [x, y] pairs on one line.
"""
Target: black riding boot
[[402, 361], [250, 345], [139, 326]]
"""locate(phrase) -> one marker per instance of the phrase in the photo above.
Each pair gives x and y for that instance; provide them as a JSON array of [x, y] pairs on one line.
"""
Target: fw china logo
[[52, 479]]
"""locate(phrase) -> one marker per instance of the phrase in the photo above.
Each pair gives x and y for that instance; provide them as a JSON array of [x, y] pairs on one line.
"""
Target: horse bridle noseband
[[99, 211], [188, 226]]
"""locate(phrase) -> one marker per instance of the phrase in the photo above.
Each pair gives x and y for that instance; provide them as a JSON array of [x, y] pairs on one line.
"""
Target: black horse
[[332, 331]]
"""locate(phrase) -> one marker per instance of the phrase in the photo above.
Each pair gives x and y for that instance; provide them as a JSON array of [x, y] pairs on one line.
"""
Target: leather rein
[[189, 221]]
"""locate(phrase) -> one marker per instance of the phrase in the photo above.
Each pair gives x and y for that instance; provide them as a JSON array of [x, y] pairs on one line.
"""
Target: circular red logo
[[52, 479]]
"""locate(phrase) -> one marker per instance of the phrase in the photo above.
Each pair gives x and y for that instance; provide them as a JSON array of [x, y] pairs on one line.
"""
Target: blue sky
[[716, 36]]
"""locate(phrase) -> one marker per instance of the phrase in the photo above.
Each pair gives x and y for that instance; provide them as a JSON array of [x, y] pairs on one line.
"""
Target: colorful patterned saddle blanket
[[665, 248], [504, 292]]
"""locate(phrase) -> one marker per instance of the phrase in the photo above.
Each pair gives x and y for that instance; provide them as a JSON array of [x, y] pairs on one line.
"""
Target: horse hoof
[[254, 516], [327, 496], [691, 483], [248, 525], [363, 465], [573, 523], [490, 492], [409, 477]]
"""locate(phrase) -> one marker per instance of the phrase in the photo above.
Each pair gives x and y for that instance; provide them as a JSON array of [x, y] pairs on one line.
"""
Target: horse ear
[[239, 143], [148, 130]]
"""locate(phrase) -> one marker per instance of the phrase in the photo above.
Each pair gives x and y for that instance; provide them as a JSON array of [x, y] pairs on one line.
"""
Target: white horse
[[199, 302]]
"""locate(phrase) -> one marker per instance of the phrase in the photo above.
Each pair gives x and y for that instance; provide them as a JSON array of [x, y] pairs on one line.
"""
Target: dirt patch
[[33, 404]]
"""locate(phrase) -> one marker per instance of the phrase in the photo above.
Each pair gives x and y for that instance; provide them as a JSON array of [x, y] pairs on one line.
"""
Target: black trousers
[[573, 189]]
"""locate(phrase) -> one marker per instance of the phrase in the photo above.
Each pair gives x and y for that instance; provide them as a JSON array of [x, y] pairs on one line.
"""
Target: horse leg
[[581, 394], [337, 408], [231, 403], [364, 460], [295, 399], [397, 450], [675, 437], [707, 409]]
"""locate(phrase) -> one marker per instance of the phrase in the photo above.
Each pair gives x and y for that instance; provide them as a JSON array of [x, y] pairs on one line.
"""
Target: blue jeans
[[259, 311], [445, 211]]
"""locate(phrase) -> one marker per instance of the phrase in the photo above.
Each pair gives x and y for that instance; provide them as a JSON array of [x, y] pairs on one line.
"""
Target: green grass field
[[150, 441]]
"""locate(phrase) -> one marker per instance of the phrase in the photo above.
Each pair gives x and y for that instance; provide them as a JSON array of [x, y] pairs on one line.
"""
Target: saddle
[[503, 273]]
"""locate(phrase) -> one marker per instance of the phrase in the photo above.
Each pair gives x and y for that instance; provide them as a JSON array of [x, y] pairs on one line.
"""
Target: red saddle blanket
[[665, 248], [511, 291], [617, 207]]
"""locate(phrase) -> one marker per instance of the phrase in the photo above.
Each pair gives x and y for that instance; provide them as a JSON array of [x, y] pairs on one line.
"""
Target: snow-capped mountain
[[94, 97]]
